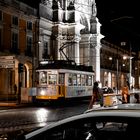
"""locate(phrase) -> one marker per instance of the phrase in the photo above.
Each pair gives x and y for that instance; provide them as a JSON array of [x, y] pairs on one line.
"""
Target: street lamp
[[115, 22], [118, 66]]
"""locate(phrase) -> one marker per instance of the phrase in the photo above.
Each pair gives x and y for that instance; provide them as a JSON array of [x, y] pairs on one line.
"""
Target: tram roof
[[63, 64]]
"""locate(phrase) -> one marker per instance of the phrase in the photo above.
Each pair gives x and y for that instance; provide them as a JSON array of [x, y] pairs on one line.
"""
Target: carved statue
[[94, 9]]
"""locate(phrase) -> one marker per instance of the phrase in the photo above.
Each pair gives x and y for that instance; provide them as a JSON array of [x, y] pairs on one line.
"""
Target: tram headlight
[[42, 92]]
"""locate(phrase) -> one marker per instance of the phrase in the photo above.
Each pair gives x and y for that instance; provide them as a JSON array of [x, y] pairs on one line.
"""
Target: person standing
[[97, 96], [125, 94], [15, 89]]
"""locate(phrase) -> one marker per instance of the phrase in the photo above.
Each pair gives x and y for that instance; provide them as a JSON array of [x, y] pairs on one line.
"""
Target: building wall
[[11, 57], [110, 54], [71, 28], [59, 26]]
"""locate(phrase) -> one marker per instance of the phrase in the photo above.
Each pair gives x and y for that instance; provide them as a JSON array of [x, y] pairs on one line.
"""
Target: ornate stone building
[[118, 65], [58, 29], [69, 29]]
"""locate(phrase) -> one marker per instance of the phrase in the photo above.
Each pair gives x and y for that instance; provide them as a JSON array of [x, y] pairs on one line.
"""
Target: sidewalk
[[13, 104]]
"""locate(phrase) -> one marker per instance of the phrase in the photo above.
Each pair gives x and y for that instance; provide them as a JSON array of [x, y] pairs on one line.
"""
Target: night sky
[[120, 21]]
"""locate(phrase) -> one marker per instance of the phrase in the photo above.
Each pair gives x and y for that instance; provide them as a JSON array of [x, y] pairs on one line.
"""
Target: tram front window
[[52, 79], [43, 78]]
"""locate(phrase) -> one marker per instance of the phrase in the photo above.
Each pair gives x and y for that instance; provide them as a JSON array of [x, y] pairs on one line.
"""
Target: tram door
[[61, 83]]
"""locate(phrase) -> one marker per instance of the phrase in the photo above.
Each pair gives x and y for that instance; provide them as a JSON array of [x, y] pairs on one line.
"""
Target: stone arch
[[24, 77], [28, 74]]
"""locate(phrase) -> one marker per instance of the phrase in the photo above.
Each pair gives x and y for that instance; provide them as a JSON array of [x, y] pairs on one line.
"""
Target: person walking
[[136, 98], [97, 96]]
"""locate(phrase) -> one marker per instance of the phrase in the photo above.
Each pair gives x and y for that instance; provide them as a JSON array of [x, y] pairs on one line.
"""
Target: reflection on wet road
[[34, 117]]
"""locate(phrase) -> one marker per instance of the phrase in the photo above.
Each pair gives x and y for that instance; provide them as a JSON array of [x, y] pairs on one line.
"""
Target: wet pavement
[[11, 104], [26, 116]]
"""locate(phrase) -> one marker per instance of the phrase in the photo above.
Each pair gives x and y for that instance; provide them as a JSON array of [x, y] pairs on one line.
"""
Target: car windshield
[[92, 127]]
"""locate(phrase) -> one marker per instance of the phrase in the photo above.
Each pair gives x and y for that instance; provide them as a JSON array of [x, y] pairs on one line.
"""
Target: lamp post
[[122, 27], [117, 73], [35, 44], [130, 71], [117, 67], [130, 62]]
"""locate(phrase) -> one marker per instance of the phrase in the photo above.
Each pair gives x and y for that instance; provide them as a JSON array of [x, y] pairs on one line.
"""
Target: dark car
[[107, 90], [112, 123]]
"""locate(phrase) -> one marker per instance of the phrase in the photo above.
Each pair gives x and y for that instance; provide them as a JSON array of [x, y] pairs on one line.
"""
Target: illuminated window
[[61, 78], [83, 80], [70, 80], [89, 80], [43, 78], [74, 79], [79, 79], [52, 79]]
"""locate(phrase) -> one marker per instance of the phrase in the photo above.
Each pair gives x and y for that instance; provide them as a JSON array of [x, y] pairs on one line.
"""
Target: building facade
[[18, 25], [62, 29], [70, 30], [118, 65]]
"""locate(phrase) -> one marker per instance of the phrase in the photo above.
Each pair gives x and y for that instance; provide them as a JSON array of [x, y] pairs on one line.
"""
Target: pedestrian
[[15, 89], [19, 94], [136, 98], [125, 94], [97, 96]]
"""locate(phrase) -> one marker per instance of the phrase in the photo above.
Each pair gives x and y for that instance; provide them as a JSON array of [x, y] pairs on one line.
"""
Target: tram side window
[[61, 78], [83, 80], [72, 80], [43, 78], [89, 80], [52, 79], [79, 79]]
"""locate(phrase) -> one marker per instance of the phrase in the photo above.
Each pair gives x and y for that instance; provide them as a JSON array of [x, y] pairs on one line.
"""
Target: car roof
[[122, 110], [128, 106]]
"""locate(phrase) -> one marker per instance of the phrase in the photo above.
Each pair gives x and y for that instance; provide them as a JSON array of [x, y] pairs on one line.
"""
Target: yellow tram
[[61, 79]]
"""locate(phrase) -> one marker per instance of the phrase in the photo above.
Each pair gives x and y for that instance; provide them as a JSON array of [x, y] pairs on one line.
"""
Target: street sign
[[7, 62]]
